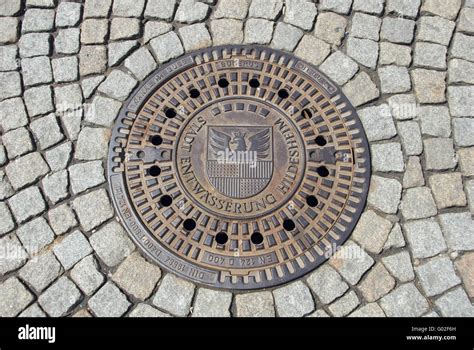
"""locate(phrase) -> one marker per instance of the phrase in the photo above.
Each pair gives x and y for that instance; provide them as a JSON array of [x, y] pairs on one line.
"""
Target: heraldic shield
[[239, 159]]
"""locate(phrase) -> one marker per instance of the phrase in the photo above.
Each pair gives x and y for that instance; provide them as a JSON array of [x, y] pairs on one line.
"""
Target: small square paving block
[[448, 190], [439, 154]]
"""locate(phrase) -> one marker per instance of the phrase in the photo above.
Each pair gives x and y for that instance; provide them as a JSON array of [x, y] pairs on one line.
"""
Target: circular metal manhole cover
[[239, 167]]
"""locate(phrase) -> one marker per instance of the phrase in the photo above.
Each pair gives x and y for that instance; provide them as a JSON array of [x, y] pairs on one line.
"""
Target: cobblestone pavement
[[65, 68]]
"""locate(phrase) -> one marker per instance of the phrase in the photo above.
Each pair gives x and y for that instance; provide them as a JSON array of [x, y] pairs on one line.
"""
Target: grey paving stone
[[361, 90], [6, 189], [424, 237], [128, 8], [435, 120], [312, 50], [319, 313], [395, 238], [14, 297], [174, 295], [166, 47], [300, 13], [293, 300], [161, 9], [86, 274], [461, 100], [394, 79], [365, 26], [72, 249], [410, 136], [448, 8], [351, 262], [377, 283], [141, 63], [232, 9], [38, 20], [93, 209], [10, 7], [437, 275], [67, 97], [137, 277], [8, 30], [339, 67], [55, 186], [33, 311], [145, 310], [190, 11], [60, 298], [418, 203], [267, 9], [470, 194], [286, 36], [13, 255], [211, 303], [26, 170], [41, 3], [466, 18], [67, 41], [327, 284], [92, 59], [59, 156], [118, 85], [3, 155], [17, 142], [462, 130], [103, 111], [463, 47], [89, 85], [400, 266], [397, 30], [68, 14], [61, 219], [111, 244], [368, 310], [458, 229], [466, 161], [39, 100], [97, 8], [430, 55], [8, 55], [404, 301], [35, 44], [227, 31], [256, 304], [26, 204], [124, 28], [154, 29], [344, 305], [92, 143], [464, 267], [439, 154], [387, 157], [86, 175], [460, 71], [6, 224], [413, 176], [12, 114], [403, 106], [118, 51], [405, 8], [41, 271], [435, 29], [455, 304], [109, 301], [65, 69], [35, 235], [46, 131], [385, 194], [339, 6], [36, 70], [330, 27], [371, 231], [258, 31], [10, 85], [448, 190]]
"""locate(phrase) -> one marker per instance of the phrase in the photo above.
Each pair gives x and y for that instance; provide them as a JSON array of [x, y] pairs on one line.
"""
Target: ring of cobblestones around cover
[[66, 68]]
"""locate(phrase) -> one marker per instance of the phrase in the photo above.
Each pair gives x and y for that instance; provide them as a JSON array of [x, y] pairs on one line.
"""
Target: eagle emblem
[[239, 159]]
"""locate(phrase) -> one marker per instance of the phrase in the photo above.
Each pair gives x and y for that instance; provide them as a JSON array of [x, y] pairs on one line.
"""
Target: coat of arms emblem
[[239, 159]]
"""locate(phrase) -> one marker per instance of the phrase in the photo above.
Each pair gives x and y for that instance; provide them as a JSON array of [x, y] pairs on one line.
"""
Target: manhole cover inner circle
[[238, 167]]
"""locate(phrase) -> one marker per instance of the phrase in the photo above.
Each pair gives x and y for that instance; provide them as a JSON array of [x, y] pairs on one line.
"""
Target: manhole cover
[[239, 167]]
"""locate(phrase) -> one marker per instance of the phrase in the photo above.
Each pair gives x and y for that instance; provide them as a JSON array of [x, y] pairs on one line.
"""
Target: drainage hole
[[289, 225], [156, 140], [323, 171], [283, 93], [223, 83], [141, 154], [166, 200], [306, 113], [189, 224], [254, 83], [256, 238], [222, 238], [154, 171], [312, 201], [321, 141], [170, 113], [194, 93]]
